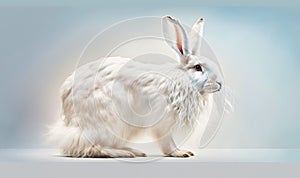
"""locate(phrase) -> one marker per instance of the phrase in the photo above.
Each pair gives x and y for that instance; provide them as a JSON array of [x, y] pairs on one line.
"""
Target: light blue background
[[257, 45]]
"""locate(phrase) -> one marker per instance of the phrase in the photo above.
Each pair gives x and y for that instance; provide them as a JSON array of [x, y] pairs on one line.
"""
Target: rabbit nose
[[213, 77]]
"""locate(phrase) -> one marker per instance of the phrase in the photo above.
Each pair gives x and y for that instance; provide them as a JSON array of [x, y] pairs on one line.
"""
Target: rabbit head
[[203, 72]]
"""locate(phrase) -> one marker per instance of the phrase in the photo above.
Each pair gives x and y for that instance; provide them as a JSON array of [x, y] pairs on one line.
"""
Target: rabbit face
[[203, 72]]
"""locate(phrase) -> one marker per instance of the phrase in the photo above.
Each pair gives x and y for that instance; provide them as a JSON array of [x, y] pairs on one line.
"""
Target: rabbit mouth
[[212, 87]]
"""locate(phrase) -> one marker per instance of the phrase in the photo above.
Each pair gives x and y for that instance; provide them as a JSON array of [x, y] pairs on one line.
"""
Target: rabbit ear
[[176, 36], [196, 36]]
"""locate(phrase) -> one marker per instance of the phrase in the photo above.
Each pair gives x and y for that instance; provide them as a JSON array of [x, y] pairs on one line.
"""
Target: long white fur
[[97, 118]]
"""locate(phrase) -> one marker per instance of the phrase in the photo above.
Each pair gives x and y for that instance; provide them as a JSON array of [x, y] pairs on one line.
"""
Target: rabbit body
[[93, 103]]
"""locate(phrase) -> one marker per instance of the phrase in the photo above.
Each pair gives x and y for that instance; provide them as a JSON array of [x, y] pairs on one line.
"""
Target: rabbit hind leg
[[135, 152], [96, 151]]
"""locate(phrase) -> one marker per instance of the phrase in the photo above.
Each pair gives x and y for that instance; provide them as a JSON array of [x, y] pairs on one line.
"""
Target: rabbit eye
[[198, 68]]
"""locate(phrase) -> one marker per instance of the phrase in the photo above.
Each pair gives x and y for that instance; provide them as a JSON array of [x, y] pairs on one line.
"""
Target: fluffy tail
[[69, 139]]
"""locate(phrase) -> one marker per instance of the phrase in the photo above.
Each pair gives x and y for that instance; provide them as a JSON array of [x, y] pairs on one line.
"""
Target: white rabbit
[[102, 100]]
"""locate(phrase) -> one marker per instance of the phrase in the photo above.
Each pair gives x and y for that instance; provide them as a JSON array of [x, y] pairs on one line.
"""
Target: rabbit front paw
[[181, 153]]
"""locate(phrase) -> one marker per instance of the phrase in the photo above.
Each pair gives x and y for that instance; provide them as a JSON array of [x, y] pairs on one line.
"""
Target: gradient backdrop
[[257, 45]]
